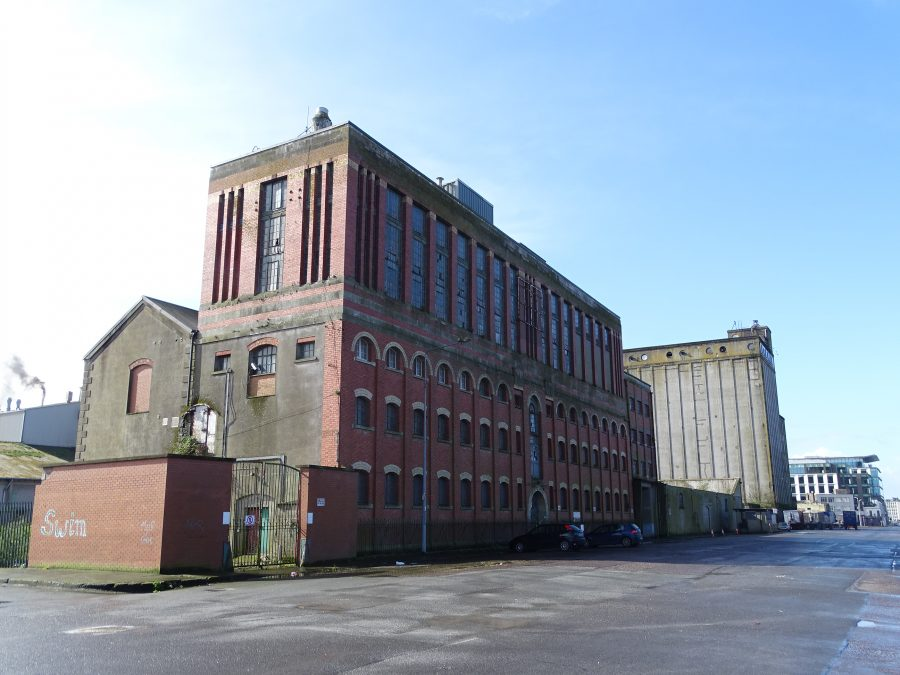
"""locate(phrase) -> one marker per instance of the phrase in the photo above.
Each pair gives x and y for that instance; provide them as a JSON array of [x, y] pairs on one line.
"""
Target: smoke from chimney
[[18, 369]]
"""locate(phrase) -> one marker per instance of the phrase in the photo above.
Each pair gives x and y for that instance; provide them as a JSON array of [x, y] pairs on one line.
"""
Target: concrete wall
[[328, 514], [106, 429], [689, 511], [715, 415], [159, 514]]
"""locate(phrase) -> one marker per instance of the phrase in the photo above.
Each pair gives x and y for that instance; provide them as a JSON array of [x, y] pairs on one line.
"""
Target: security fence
[[15, 533], [264, 527]]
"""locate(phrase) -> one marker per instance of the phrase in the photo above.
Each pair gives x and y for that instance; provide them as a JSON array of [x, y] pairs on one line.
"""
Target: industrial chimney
[[321, 120]]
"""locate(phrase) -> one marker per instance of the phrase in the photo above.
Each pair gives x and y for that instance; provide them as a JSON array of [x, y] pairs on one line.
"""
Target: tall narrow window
[[481, 291], [463, 287], [534, 437], [442, 271], [391, 489], [513, 309], [567, 339], [499, 302], [443, 492], [485, 495], [271, 236], [417, 490], [393, 246], [554, 330], [419, 258], [139, 380], [465, 493], [362, 488]]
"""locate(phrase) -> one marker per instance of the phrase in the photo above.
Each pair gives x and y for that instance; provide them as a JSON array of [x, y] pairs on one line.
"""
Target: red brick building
[[353, 307]]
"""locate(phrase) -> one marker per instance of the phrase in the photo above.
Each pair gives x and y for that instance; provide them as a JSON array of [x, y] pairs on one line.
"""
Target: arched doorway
[[537, 512]]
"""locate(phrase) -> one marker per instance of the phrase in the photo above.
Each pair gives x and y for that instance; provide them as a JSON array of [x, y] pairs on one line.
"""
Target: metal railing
[[15, 533]]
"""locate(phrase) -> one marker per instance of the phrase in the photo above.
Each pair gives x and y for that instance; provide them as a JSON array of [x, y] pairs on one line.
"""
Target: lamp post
[[425, 379]]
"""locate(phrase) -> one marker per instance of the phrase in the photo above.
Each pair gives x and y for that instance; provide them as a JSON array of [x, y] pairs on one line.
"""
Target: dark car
[[564, 536], [617, 534]]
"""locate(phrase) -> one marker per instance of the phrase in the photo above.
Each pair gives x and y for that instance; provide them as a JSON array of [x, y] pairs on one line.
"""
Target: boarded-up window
[[139, 388]]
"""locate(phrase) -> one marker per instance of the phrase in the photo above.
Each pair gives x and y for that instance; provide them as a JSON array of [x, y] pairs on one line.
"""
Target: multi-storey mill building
[[360, 314]]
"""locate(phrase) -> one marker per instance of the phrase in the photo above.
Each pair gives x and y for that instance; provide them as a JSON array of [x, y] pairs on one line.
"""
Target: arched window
[[418, 422], [615, 462], [419, 366], [551, 497], [504, 496], [624, 464], [561, 451], [484, 436], [622, 430], [616, 502], [576, 506], [443, 374], [584, 418], [595, 457], [362, 488], [597, 500], [503, 394], [465, 432], [485, 495], [261, 367], [614, 429], [443, 428], [594, 422], [465, 381], [392, 418], [365, 350], [484, 387], [584, 456], [363, 418], [605, 424], [444, 492], [392, 358], [587, 500], [607, 503], [626, 502], [139, 379], [503, 440], [605, 457], [573, 453], [391, 489], [573, 415], [560, 411], [465, 493], [563, 499], [417, 490]]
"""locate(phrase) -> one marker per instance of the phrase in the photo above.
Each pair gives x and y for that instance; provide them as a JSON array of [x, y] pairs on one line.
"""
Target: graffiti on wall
[[147, 527], [70, 527]]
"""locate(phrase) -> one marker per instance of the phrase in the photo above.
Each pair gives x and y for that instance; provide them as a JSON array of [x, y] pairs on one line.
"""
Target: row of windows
[[562, 499], [363, 419], [498, 292], [638, 406], [364, 350]]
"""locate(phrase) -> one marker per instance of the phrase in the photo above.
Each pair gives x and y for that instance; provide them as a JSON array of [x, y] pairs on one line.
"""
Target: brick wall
[[159, 513], [328, 499]]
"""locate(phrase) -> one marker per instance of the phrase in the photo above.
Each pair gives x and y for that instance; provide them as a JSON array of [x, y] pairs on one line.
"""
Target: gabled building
[[136, 382]]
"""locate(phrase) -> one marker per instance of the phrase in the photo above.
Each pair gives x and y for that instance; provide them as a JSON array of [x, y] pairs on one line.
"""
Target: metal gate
[[15, 532], [264, 514]]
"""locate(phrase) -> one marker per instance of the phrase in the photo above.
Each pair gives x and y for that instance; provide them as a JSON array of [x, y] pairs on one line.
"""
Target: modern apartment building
[[857, 475]]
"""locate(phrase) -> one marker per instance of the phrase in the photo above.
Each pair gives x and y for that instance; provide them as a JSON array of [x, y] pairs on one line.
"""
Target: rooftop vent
[[321, 120], [474, 201]]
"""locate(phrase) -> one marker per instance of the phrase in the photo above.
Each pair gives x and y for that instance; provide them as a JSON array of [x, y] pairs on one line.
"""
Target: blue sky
[[692, 164]]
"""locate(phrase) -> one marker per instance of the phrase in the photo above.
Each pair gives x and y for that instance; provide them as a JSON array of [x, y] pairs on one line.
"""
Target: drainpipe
[[190, 392]]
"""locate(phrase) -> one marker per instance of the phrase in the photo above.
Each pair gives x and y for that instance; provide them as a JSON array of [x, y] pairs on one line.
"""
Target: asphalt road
[[798, 602]]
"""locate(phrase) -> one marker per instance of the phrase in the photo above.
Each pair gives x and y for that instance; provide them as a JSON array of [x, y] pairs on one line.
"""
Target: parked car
[[617, 534], [783, 526], [564, 536]]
